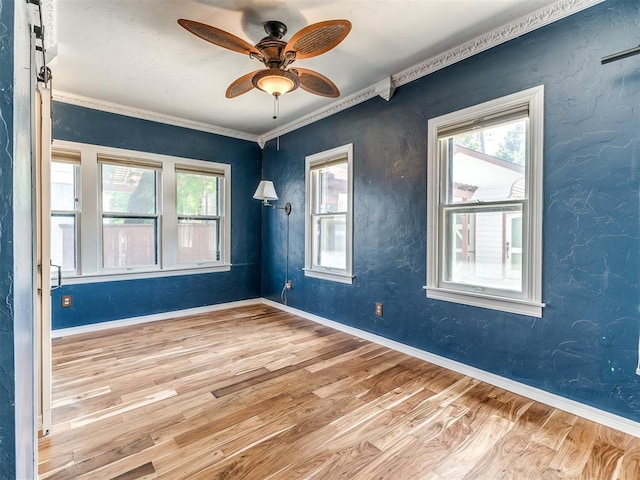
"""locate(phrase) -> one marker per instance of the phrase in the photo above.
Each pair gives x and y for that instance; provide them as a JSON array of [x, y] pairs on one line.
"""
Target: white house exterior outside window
[[484, 225], [329, 215]]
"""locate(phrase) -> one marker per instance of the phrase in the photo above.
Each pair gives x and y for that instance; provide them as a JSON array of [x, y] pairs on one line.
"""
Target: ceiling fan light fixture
[[275, 81]]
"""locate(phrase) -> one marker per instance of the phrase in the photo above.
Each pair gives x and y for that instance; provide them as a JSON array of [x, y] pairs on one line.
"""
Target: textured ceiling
[[133, 52]]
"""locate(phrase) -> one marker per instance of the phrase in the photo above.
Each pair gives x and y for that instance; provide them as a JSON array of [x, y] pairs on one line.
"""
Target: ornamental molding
[[344, 104], [119, 109], [537, 19], [48, 9], [517, 28]]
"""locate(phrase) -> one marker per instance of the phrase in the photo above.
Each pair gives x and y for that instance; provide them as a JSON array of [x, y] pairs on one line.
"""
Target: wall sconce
[[265, 192]]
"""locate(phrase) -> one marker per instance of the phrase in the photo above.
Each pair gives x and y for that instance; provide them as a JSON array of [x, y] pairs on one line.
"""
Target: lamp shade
[[265, 191], [275, 81]]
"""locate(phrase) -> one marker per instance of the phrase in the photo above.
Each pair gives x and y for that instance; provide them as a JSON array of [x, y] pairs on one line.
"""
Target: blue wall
[[98, 302], [585, 346], [7, 367]]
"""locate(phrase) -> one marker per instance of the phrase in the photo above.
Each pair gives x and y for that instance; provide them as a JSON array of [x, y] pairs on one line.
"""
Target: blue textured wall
[[100, 302], [585, 346], [7, 368]]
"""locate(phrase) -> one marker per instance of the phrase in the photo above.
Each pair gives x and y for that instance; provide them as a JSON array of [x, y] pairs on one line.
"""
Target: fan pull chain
[[276, 116]]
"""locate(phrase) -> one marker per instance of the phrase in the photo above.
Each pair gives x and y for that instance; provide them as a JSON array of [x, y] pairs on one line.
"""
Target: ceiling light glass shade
[[265, 191], [275, 81]]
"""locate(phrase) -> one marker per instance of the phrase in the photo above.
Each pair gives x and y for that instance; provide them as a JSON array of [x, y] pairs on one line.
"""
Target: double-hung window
[[484, 185], [130, 214], [121, 214], [198, 195], [65, 209], [329, 215]]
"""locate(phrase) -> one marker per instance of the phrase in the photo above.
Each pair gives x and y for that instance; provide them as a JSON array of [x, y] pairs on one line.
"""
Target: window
[[129, 194], [198, 208], [143, 215], [484, 181], [329, 216], [65, 209]]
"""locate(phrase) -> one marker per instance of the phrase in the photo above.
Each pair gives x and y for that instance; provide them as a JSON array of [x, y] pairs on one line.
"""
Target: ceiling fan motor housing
[[275, 29]]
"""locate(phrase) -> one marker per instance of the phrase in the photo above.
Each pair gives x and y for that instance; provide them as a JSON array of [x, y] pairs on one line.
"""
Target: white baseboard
[[556, 401], [95, 327]]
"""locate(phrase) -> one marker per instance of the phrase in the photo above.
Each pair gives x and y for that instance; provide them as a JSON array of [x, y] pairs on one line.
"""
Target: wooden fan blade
[[218, 37], [313, 82], [241, 85], [318, 38]]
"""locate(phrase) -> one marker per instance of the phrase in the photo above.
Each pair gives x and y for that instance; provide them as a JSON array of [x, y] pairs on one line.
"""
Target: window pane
[[487, 164], [330, 188], [198, 241], [63, 242], [63, 186], [197, 194], [330, 241], [129, 242], [484, 248], [128, 189]]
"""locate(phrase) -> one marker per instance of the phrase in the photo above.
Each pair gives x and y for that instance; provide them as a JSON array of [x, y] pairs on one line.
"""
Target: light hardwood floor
[[256, 393]]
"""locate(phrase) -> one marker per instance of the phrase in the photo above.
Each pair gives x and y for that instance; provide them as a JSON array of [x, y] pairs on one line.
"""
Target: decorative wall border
[[519, 27], [537, 19], [96, 104]]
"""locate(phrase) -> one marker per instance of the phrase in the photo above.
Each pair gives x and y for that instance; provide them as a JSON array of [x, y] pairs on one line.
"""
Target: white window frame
[[157, 216], [89, 250], [72, 158], [529, 301], [184, 168], [313, 161]]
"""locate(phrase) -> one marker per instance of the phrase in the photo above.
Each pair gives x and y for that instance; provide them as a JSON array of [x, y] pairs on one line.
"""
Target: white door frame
[[43, 234]]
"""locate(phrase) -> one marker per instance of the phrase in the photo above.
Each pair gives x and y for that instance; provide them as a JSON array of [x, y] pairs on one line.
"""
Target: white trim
[[104, 106], [498, 36], [118, 276], [521, 26], [530, 303], [156, 317], [335, 275], [89, 266], [502, 304], [540, 18], [556, 401]]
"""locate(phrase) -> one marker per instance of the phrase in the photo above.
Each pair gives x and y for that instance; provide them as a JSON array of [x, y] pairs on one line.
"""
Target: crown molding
[[517, 28], [96, 104], [539, 18], [49, 23], [344, 104]]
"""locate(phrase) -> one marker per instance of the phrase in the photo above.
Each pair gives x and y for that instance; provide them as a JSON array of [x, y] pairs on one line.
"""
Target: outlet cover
[[65, 301], [378, 309]]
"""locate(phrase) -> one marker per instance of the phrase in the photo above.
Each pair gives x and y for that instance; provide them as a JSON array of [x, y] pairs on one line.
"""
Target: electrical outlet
[[66, 301], [378, 309]]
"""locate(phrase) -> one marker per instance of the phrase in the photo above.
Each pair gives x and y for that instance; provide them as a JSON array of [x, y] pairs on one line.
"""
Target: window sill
[[116, 277], [503, 304], [331, 276]]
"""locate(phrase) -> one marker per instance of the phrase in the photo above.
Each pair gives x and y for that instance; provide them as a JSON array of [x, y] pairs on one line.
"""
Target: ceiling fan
[[277, 55]]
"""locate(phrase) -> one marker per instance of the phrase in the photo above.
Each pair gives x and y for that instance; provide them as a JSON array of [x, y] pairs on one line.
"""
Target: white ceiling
[[133, 53]]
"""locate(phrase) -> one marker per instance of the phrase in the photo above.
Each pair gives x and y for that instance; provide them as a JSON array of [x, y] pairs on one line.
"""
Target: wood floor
[[256, 393]]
